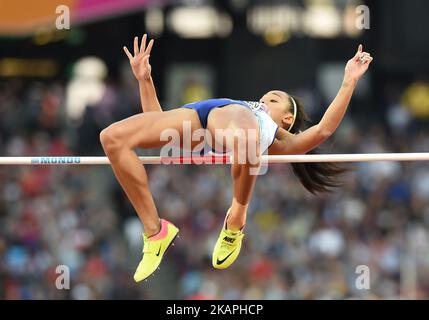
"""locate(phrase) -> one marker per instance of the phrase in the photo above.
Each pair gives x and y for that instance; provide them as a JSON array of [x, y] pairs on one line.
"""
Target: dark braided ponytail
[[315, 177]]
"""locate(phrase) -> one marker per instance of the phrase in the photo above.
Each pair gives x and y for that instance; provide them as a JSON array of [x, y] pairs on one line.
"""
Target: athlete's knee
[[112, 138]]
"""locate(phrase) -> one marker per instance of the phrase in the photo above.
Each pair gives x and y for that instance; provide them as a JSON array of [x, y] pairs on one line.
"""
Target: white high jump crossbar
[[218, 159]]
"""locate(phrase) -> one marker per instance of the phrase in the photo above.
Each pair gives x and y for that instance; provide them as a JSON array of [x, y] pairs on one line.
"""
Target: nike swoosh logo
[[159, 251], [219, 262]]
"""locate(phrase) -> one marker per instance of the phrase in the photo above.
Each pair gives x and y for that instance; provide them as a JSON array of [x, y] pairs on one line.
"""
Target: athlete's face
[[278, 103]]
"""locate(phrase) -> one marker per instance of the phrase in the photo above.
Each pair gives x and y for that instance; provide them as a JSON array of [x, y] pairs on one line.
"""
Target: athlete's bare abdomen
[[229, 118]]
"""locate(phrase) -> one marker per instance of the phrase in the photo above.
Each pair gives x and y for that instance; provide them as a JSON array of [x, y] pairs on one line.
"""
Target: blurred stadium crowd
[[297, 246]]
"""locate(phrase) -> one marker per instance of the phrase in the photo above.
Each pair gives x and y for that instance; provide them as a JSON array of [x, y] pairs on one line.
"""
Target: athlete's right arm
[[301, 143], [142, 71], [305, 141]]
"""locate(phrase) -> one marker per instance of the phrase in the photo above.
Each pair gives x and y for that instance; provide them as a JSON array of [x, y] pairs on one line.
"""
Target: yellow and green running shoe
[[227, 247], [154, 248]]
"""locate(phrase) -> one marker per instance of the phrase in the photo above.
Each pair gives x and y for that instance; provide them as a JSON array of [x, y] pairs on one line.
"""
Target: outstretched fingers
[[136, 46], [149, 47], [140, 51], [143, 44], [129, 55]]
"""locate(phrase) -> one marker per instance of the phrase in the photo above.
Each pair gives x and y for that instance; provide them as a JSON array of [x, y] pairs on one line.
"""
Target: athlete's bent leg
[[244, 173], [143, 130], [119, 141]]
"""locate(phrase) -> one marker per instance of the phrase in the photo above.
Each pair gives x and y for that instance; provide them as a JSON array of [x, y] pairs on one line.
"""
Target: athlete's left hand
[[358, 65], [140, 61]]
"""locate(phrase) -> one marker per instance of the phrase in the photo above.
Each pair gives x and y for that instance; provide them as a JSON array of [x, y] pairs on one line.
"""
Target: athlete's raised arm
[[142, 71], [305, 141]]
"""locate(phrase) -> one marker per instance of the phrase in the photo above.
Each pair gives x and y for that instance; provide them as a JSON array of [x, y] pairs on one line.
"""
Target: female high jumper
[[278, 119]]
